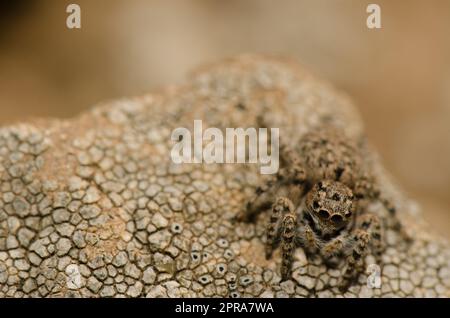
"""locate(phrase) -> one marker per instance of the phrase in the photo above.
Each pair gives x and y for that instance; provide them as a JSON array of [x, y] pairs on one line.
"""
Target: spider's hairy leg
[[291, 176], [368, 188], [393, 217], [262, 199], [361, 241], [397, 225], [289, 229], [371, 223], [293, 173], [274, 230], [288, 156]]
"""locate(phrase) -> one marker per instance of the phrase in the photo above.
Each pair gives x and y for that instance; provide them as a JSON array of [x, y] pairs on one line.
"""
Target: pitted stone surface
[[94, 207]]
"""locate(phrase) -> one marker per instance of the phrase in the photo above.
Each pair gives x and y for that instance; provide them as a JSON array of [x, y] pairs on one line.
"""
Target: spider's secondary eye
[[348, 214], [337, 219], [316, 205], [324, 214], [336, 197]]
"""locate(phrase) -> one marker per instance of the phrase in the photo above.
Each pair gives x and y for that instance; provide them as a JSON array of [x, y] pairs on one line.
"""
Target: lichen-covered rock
[[94, 206]]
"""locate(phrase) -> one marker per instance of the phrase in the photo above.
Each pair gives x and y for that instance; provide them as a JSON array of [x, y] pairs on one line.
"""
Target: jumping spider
[[319, 200]]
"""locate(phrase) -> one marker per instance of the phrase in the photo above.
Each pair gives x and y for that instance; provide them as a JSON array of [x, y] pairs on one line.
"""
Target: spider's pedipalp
[[334, 246]]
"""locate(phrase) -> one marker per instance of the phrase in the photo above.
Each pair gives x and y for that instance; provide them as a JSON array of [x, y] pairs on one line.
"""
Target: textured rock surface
[[94, 207]]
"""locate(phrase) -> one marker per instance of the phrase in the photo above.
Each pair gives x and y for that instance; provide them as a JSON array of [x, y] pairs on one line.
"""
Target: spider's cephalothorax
[[319, 201], [329, 204]]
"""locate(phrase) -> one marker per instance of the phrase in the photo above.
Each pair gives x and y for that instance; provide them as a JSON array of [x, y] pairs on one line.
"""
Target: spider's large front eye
[[324, 214], [337, 219]]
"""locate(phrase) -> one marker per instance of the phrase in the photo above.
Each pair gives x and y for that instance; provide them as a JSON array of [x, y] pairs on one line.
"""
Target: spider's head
[[330, 205]]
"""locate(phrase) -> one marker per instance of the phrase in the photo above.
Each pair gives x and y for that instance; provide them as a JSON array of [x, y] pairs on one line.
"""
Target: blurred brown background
[[399, 75]]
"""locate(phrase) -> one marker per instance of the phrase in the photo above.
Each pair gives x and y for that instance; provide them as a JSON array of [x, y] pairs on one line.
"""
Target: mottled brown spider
[[319, 202]]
